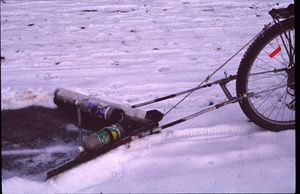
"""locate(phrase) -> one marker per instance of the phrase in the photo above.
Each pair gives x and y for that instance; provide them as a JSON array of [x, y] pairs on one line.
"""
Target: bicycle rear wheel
[[267, 71]]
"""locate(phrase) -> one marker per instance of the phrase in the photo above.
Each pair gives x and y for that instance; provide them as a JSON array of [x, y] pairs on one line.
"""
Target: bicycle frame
[[221, 82]]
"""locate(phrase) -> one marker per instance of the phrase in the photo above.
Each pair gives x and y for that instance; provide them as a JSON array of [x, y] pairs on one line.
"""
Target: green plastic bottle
[[103, 137]]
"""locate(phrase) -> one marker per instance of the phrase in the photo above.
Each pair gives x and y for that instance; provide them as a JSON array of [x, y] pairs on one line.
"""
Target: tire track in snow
[[193, 134]]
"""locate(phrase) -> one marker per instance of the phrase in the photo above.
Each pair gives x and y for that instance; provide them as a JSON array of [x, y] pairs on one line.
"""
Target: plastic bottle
[[103, 137]]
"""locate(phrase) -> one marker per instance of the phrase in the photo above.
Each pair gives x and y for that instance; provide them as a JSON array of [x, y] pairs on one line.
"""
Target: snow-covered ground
[[134, 50]]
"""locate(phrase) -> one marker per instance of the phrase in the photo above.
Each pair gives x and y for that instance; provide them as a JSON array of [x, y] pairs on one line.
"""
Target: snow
[[131, 51]]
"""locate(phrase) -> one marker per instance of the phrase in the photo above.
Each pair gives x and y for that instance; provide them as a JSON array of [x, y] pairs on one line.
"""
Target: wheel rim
[[271, 79]]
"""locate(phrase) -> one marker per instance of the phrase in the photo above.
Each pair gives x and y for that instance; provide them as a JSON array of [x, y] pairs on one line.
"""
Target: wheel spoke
[[273, 86], [266, 98], [274, 105], [269, 92], [280, 53], [268, 66], [282, 63], [282, 105], [263, 67], [266, 77], [292, 113]]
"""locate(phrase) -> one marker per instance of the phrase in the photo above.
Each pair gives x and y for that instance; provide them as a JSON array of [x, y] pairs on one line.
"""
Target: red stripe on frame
[[275, 52]]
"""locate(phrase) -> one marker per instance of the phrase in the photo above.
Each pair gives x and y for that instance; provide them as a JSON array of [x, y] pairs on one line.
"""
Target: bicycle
[[265, 80]]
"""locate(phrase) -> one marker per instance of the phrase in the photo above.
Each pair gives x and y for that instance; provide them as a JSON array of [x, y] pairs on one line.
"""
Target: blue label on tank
[[90, 105], [100, 112], [96, 108]]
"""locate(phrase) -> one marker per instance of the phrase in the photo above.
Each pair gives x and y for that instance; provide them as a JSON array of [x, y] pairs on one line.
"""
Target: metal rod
[[214, 107], [232, 77], [169, 96], [224, 80], [208, 109], [79, 120]]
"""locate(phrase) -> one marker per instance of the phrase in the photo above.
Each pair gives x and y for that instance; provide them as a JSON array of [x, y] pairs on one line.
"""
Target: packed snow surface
[[135, 50]]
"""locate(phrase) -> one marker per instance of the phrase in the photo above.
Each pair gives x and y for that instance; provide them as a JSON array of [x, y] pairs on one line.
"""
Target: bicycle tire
[[251, 60]]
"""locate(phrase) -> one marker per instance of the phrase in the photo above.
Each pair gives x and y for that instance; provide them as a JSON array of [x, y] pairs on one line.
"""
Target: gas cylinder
[[103, 137], [101, 111]]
